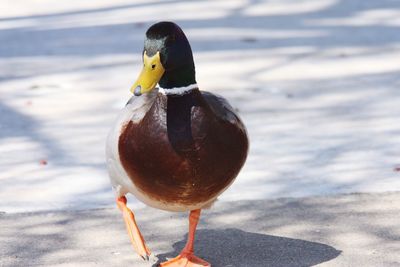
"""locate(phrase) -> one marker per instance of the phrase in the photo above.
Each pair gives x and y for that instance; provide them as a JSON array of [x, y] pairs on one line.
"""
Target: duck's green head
[[167, 59]]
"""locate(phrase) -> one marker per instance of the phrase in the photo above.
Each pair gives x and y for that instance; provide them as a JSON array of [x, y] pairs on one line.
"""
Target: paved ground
[[343, 230], [315, 81]]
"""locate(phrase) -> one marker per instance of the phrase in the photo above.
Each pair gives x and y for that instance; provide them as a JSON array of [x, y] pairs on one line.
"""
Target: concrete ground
[[342, 230], [315, 81]]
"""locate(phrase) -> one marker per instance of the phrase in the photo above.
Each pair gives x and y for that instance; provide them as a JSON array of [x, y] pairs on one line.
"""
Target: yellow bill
[[149, 76]]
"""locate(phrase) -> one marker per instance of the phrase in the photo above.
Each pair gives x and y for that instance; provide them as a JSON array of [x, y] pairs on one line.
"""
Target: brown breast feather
[[187, 156]]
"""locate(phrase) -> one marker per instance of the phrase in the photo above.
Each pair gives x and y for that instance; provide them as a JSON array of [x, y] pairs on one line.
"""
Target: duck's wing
[[134, 111], [222, 109]]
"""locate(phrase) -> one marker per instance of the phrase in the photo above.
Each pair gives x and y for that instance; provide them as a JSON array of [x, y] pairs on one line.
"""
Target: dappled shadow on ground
[[234, 247], [325, 122], [315, 25], [16, 124], [240, 27], [284, 232], [330, 123]]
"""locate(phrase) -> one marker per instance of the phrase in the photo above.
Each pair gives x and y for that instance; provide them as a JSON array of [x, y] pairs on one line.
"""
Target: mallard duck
[[175, 148]]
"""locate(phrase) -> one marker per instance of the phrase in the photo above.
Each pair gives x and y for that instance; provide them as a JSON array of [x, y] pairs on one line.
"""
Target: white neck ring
[[178, 90]]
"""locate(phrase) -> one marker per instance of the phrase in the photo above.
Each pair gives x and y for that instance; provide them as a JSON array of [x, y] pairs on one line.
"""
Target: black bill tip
[[137, 91]]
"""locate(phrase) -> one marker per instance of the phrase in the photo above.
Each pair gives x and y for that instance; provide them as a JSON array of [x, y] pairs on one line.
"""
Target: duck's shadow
[[234, 247]]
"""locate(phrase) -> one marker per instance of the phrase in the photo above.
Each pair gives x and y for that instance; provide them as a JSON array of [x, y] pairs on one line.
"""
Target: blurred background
[[316, 82]]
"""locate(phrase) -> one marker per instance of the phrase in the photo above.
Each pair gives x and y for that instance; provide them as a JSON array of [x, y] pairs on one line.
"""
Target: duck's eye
[[153, 66]]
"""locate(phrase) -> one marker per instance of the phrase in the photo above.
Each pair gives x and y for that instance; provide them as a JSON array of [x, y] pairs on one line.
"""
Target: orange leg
[[186, 258], [133, 230]]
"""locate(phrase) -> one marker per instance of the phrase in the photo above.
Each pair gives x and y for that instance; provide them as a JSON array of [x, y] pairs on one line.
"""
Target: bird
[[173, 146]]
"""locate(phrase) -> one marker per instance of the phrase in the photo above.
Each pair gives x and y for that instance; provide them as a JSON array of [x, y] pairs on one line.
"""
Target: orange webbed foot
[[135, 236], [185, 260]]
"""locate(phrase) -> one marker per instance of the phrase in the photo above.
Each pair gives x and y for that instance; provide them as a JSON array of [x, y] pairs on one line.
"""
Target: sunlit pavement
[[316, 82], [347, 230]]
